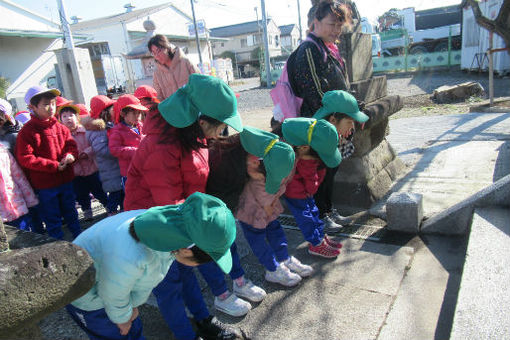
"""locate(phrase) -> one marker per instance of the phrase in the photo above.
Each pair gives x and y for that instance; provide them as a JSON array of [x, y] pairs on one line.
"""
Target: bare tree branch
[[500, 26]]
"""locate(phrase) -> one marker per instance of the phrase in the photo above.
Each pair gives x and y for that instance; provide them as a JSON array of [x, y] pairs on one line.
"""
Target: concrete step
[[483, 300]]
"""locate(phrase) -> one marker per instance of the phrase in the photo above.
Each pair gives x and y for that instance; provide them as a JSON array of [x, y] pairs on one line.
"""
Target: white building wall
[[27, 62], [17, 18]]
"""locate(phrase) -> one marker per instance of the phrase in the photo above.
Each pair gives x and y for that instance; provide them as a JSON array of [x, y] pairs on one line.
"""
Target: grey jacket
[[109, 171]]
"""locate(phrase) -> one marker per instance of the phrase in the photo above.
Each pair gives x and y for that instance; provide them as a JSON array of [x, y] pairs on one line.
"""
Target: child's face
[[69, 119], [252, 167], [45, 109], [344, 126], [210, 130], [303, 152], [132, 117]]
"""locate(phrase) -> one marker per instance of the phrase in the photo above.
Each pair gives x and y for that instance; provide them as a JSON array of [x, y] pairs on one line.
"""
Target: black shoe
[[212, 329]]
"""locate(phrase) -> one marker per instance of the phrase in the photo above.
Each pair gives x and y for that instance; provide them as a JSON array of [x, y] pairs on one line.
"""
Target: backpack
[[286, 103]]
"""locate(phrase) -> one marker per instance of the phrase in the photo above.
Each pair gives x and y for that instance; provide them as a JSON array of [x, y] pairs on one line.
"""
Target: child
[[268, 165], [127, 132], [9, 127], [16, 194], [86, 180], [46, 151], [98, 128], [147, 95], [149, 98], [316, 147], [340, 109], [133, 251]]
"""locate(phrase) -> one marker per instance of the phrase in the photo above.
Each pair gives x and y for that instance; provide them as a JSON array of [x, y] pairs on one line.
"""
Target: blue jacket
[[126, 270], [108, 165]]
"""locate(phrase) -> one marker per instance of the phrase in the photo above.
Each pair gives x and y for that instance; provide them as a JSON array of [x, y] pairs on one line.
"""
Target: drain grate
[[358, 231]]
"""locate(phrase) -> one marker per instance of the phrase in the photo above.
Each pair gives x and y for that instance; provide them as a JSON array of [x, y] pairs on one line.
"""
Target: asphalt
[[401, 287]]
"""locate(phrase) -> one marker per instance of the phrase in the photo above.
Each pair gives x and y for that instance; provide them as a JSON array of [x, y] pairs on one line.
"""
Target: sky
[[221, 12]]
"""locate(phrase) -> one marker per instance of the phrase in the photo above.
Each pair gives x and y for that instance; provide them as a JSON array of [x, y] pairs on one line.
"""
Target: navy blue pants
[[23, 223], [179, 288], [55, 203], [115, 201], [269, 245], [215, 277], [37, 223], [98, 326], [307, 218], [86, 185]]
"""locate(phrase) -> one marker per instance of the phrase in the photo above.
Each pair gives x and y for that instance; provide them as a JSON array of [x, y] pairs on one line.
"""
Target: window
[[270, 40], [276, 42], [97, 50], [244, 42]]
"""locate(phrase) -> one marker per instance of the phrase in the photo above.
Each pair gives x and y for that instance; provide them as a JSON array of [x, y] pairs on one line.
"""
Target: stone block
[[404, 211], [371, 89], [382, 109], [356, 48], [38, 276], [460, 92]]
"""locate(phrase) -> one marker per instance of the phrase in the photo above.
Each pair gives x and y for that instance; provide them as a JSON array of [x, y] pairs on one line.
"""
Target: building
[[113, 37], [289, 37], [27, 45], [245, 40]]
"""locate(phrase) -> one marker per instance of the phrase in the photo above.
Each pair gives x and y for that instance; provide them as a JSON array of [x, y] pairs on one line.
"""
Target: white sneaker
[[232, 305], [283, 276], [249, 291], [337, 218], [87, 215], [330, 226], [297, 267]]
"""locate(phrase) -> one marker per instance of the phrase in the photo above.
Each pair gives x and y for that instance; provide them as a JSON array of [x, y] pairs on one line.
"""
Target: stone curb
[[456, 219]]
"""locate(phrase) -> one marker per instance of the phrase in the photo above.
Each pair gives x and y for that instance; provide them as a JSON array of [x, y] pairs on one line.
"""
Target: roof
[[36, 34], [238, 29], [286, 29], [125, 17]]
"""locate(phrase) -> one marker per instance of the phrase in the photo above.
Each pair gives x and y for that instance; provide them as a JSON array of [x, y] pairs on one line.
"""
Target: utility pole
[[266, 44], [196, 35], [66, 29], [299, 21]]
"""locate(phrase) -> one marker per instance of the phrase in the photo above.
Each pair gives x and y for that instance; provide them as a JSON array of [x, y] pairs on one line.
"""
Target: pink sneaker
[[323, 250], [332, 243]]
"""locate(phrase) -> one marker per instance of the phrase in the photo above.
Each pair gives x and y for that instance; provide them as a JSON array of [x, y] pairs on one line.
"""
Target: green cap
[[341, 102], [278, 157], [318, 133], [202, 220], [205, 95]]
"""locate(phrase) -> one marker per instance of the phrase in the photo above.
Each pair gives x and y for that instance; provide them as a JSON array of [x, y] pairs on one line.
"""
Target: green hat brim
[[178, 110], [224, 261], [358, 116], [234, 122], [333, 160]]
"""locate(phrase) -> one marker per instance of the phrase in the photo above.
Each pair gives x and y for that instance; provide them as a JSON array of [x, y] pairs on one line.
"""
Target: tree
[[388, 18], [4, 84], [500, 26]]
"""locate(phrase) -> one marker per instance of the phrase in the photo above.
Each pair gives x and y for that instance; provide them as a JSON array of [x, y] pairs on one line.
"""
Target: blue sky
[[221, 12]]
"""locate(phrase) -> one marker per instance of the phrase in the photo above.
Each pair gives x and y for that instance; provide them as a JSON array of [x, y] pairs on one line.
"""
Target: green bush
[[4, 84]]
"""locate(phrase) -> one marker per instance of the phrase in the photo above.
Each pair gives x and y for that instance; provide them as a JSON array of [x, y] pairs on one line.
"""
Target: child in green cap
[[132, 252], [341, 109], [315, 143], [171, 164], [257, 163]]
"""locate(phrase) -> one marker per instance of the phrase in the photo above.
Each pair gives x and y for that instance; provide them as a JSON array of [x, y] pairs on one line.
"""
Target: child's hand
[[68, 159], [124, 327]]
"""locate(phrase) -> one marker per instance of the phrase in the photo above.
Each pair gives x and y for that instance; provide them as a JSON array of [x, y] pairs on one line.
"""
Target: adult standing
[[172, 66], [317, 69]]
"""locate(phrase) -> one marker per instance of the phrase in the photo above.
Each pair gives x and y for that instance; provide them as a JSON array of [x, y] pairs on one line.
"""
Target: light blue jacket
[[126, 270]]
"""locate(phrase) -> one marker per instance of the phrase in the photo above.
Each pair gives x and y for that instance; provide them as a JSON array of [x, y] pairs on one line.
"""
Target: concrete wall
[[26, 62]]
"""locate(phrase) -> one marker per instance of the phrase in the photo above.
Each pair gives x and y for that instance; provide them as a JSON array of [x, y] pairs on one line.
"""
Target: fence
[[412, 62]]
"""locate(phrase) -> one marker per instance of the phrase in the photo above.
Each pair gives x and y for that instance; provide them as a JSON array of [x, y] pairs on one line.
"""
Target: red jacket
[[162, 174], [40, 146], [309, 175], [123, 142]]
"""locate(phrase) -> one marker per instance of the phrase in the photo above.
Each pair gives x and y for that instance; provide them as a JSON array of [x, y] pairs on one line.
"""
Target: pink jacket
[[305, 183], [87, 166], [123, 143], [16, 194], [254, 197], [167, 80]]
